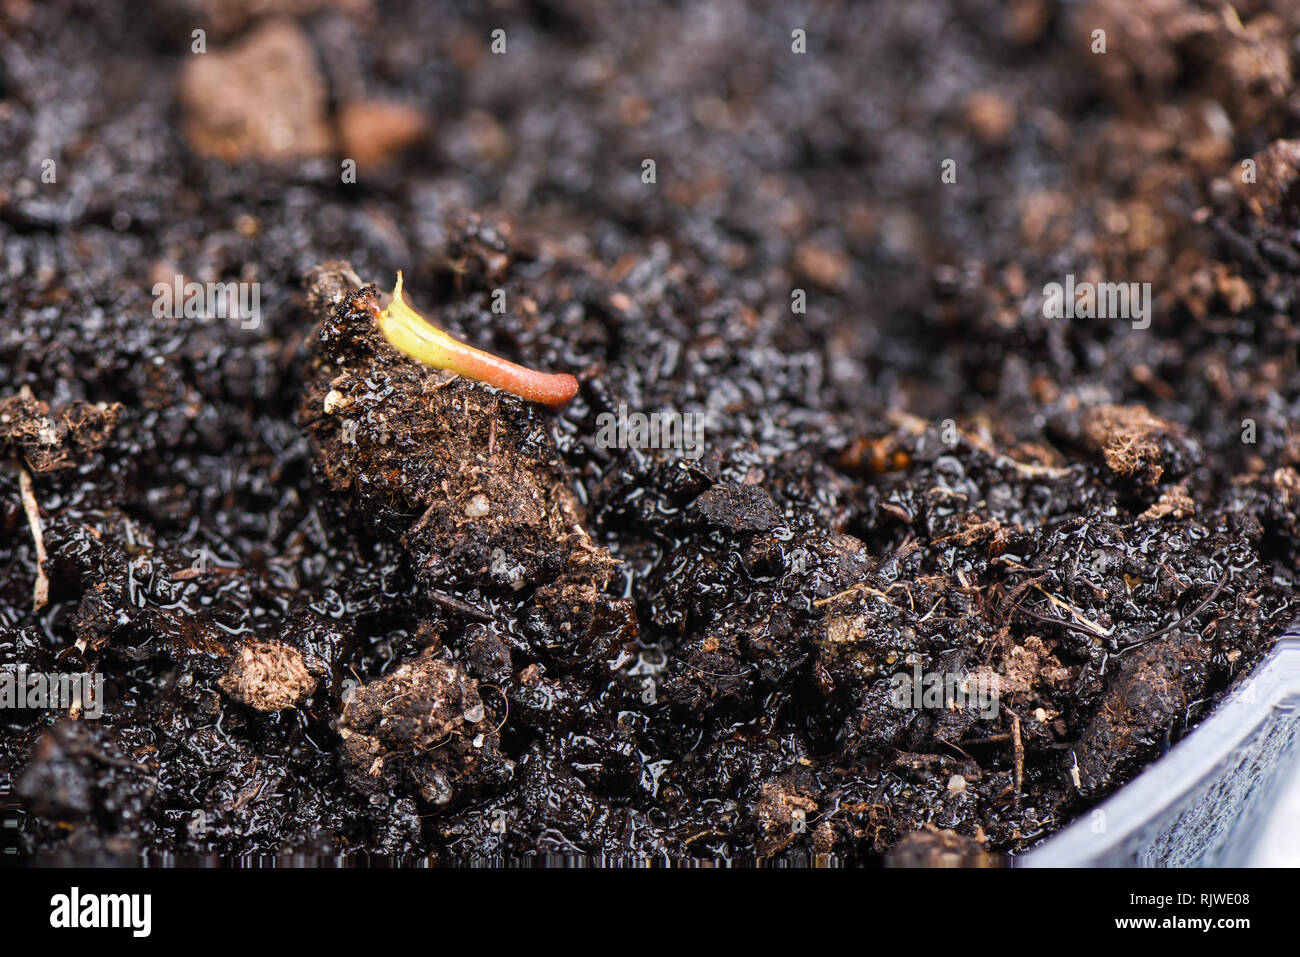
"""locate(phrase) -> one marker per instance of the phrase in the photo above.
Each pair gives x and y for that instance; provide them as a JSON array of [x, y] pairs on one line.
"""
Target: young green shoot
[[412, 335]]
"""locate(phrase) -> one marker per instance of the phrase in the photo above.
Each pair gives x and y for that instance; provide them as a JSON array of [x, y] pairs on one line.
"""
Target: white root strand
[[41, 594]]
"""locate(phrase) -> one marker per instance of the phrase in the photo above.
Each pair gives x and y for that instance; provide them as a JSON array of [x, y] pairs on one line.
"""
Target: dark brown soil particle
[[46, 439], [423, 727], [346, 604]]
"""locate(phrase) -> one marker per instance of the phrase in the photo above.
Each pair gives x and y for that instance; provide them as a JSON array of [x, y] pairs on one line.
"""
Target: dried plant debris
[[1134, 443], [267, 676], [881, 560]]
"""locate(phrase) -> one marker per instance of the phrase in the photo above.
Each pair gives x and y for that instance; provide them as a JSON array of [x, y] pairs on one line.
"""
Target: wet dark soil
[[348, 605]]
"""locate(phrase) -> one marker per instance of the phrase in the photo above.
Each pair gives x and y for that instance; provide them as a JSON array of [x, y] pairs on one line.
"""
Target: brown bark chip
[[374, 132], [262, 98]]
